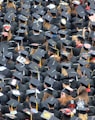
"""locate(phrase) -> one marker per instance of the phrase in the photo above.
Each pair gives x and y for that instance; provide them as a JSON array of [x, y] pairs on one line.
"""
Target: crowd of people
[[47, 59]]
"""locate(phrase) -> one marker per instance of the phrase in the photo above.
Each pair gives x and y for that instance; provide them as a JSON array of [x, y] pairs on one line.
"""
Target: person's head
[[79, 40], [82, 93]]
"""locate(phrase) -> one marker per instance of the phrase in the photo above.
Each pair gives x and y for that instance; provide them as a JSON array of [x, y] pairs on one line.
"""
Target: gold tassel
[[37, 106]]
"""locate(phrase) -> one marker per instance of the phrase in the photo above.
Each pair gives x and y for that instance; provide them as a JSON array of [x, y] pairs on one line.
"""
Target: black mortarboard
[[81, 11], [21, 31], [30, 91], [62, 32], [52, 63], [46, 115], [37, 1], [65, 54], [23, 18], [48, 34], [41, 12], [18, 75], [26, 6], [36, 26], [86, 71], [15, 92], [24, 53], [36, 16], [65, 15], [85, 81], [34, 66], [52, 43], [49, 90], [90, 12], [52, 72], [53, 11], [66, 91], [66, 65], [54, 50], [40, 52], [34, 100], [19, 67], [47, 17], [13, 103], [18, 39], [34, 45], [82, 62], [92, 5], [13, 82], [11, 10], [34, 82], [49, 80], [54, 29], [51, 101], [9, 55], [36, 58], [9, 16], [66, 42]]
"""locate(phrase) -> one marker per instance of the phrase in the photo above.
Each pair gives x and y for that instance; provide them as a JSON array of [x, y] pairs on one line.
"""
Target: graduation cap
[[10, 116], [19, 67], [49, 81], [13, 103], [53, 118], [81, 11], [54, 29], [87, 46], [52, 43], [9, 55], [41, 12], [48, 34], [65, 42], [34, 82], [86, 71], [18, 75], [68, 92], [22, 18], [34, 45], [65, 54], [34, 100], [76, 2], [66, 65], [54, 50], [46, 115], [52, 72], [30, 91], [2, 84], [85, 81], [26, 6], [47, 18], [9, 16], [49, 90], [24, 53], [16, 93], [21, 31], [52, 63], [34, 66], [36, 16], [13, 82], [53, 11], [82, 62], [61, 32], [51, 101], [36, 26]]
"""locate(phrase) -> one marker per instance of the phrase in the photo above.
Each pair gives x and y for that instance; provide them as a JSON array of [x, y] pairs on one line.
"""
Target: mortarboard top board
[[34, 45], [34, 66], [21, 31], [86, 71], [66, 42], [54, 29], [49, 90], [13, 103], [37, 1], [52, 63], [46, 115], [65, 15], [51, 100], [36, 27], [52, 43], [40, 52], [18, 38], [47, 17], [1, 94], [34, 100], [52, 72], [23, 26], [65, 54], [85, 81], [41, 12], [49, 80], [72, 74], [36, 58], [22, 18], [9, 55], [82, 62], [82, 109], [11, 10], [66, 65], [66, 91], [51, 6], [92, 5], [36, 16], [90, 12], [81, 11], [54, 50], [26, 6], [63, 32], [13, 82], [53, 11], [9, 16], [48, 34], [54, 118], [24, 52], [15, 92], [76, 2], [19, 67], [10, 116], [18, 75], [34, 82], [30, 91]]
